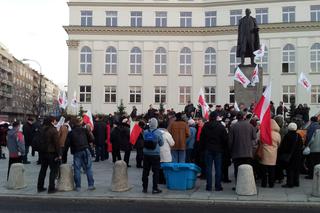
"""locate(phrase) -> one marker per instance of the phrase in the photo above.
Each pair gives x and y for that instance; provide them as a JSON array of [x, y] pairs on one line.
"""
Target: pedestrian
[[124, 142], [180, 132], [168, 142], [214, 140], [314, 156], [290, 155], [269, 156], [151, 156], [139, 146], [242, 141], [63, 137], [190, 141], [28, 132], [3, 138], [80, 140], [199, 154], [16, 145], [100, 138], [49, 154], [115, 141]]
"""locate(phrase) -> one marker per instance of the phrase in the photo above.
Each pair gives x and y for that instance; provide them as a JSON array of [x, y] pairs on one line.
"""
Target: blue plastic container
[[180, 176]]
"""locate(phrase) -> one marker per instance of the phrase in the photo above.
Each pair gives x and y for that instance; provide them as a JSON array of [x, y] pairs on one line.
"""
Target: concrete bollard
[[16, 177], [316, 181], [65, 181], [120, 177], [245, 181]]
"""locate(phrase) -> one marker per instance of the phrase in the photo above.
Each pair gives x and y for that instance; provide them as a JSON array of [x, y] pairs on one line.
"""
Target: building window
[[161, 19], [231, 94], [185, 19], [86, 18], [211, 18], [262, 15], [210, 61], [160, 94], [234, 60], [135, 94], [185, 61], [288, 59], [135, 61], [235, 16], [85, 60], [85, 94], [289, 94], [315, 57], [111, 18], [288, 14], [315, 12], [161, 61], [263, 62], [210, 95], [110, 94], [111, 61], [136, 19], [185, 95], [315, 94]]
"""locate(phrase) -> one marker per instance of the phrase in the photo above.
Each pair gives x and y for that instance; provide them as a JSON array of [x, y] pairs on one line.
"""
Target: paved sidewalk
[[103, 174]]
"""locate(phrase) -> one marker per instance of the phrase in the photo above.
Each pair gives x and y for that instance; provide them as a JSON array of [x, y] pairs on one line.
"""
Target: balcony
[[5, 94], [5, 67], [5, 81]]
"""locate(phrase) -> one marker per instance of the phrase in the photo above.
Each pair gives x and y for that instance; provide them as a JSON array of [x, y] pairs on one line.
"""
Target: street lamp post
[[40, 82]]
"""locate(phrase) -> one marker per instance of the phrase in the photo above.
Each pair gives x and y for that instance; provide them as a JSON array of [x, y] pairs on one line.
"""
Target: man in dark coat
[[248, 37], [100, 137], [28, 132]]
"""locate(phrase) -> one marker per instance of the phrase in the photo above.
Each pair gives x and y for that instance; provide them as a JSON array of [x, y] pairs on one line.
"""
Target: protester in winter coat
[[290, 155], [139, 146], [15, 145], [50, 156], [314, 156], [28, 132], [100, 138], [199, 154], [180, 132], [269, 156], [242, 141], [63, 137], [168, 142], [114, 140], [3, 139], [190, 141]]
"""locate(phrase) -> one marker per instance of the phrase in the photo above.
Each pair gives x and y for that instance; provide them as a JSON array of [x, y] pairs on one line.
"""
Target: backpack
[[150, 140], [39, 143]]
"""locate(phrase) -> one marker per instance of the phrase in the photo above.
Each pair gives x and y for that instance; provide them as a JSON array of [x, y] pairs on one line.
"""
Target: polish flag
[[241, 78], [74, 102], [135, 132], [260, 52], [203, 104], [305, 82], [262, 110], [63, 102], [236, 107], [87, 119], [255, 76]]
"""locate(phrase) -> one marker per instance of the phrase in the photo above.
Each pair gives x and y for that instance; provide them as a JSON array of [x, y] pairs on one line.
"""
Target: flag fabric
[[63, 102], [203, 104], [236, 107], [255, 76], [135, 132], [74, 102], [241, 78], [87, 119], [305, 82], [262, 110], [260, 52]]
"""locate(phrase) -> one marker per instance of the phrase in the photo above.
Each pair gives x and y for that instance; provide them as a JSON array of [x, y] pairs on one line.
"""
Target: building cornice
[[72, 43], [192, 31], [181, 4]]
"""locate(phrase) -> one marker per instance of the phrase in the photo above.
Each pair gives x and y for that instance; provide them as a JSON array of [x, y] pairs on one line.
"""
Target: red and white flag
[[203, 104], [63, 102], [305, 82], [135, 131], [260, 52], [74, 102], [88, 120], [236, 107], [255, 76], [241, 78], [262, 110]]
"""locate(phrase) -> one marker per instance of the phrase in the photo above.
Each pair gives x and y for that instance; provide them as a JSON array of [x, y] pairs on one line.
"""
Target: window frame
[[210, 65], [161, 19], [262, 15], [209, 95], [287, 54], [210, 18], [136, 19], [136, 65], [234, 18], [183, 93], [315, 13], [185, 67], [160, 61], [291, 93], [110, 92], [264, 61], [185, 19], [135, 91], [86, 18], [315, 52], [112, 65], [162, 93], [113, 18], [315, 93], [234, 61], [85, 95], [289, 14], [86, 64]]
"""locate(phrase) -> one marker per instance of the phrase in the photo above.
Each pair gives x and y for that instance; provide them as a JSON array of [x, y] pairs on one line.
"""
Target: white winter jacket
[[165, 150]]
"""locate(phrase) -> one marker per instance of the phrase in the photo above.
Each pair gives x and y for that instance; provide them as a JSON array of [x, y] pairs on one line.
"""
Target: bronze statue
[[248, 37]]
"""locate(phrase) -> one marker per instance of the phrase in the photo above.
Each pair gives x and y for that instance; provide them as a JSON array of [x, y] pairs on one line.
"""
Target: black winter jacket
[[214, 137], [80, 138]]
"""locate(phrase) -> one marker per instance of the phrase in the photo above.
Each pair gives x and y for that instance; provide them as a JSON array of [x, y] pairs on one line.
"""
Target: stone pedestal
[[316, 181], [246, 184], [16, 177], [66, 181], [120, 177], [251, 93]]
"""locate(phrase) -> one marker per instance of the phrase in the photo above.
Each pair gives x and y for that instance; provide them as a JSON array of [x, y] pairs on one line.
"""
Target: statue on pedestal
[[248, 37]]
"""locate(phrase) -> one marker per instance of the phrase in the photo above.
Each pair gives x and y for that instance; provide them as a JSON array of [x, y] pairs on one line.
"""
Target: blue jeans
[[82, 159], [178, 156], [211, 156]]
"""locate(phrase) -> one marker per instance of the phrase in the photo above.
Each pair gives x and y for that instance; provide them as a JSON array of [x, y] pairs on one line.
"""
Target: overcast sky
[[33, 29]]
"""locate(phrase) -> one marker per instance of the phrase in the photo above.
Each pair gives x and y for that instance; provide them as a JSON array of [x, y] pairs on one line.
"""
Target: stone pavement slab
[[102, 172]]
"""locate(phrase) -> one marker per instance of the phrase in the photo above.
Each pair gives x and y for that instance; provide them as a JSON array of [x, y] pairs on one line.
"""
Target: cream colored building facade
[[151, 51]]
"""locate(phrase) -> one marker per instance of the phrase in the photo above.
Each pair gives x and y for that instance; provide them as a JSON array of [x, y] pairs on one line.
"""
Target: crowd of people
[[228, 137]]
